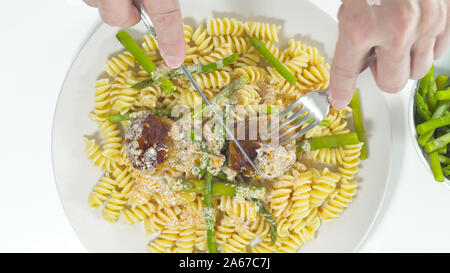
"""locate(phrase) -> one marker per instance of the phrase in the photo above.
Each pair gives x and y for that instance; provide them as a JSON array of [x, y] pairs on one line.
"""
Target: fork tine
[[296, 125], [286, 111], [301, 132], [293, 117]]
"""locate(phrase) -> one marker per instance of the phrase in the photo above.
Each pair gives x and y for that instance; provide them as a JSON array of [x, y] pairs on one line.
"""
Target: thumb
[[345, 68], [166, 17]]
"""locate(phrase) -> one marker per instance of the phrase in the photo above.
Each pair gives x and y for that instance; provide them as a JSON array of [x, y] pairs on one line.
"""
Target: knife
[[148, 23]]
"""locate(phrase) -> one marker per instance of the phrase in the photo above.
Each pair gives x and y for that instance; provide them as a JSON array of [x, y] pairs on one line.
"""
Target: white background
[[40, 39]]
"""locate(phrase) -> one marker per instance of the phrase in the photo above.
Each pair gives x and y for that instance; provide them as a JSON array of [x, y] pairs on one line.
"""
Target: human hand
[[165, 16], [406, 36]]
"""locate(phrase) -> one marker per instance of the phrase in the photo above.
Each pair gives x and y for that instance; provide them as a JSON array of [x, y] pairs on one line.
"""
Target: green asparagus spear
[[441, 82], [225, 93], [425, 82], [130, 44], [142, 84], [358, 124], [273, 61], [422, 108], [208, 68], [432, 124], [330, 141], [193, 69], [442, 151], [221, 176], [436, 167], [266, 215], [444, 159], [439, 112], [443, 95], [438, 143], [446, 171], [423, 139], [209, 214], [134, 115], [198, 139], [223, 188]]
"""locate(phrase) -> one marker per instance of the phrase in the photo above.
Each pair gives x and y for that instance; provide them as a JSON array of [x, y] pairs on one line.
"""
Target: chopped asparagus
[[209, 214], [443, 95], [134, 115], [208, 68], [224, 188], [422, 108], [266, 215], [130, 44], [438, 143], [436, 167], [441, 82], [358, 124], [225, 93], [273, 61], [433, 124], [444, 159], [330, 141], [194, 69]]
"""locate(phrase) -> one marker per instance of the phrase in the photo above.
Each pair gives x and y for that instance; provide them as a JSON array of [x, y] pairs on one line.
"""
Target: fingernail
[[173, 61], [339, 104]]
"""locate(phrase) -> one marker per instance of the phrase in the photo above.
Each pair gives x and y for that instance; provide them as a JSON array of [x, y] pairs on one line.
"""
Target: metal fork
[[314, 106]]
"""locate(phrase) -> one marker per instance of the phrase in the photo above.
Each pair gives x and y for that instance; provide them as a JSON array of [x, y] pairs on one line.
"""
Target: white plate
[[302, 20]]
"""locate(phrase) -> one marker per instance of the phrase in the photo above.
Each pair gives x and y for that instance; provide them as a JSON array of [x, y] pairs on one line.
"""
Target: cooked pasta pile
[[317, 187]]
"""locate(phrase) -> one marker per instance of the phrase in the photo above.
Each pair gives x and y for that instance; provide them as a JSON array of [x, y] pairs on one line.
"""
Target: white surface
[[75, 175], [35, 60]]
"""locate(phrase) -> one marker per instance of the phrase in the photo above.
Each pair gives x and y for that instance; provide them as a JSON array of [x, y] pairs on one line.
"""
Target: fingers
[[119, 13], [166, 17], [391, 69], [422, 55], [346, 66], [443, 40]]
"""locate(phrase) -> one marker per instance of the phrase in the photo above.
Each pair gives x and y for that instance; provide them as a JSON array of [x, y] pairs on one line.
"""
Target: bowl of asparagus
[[429, 118]]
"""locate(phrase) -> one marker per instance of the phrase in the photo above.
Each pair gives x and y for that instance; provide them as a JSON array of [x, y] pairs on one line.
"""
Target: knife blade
[[148, 23]]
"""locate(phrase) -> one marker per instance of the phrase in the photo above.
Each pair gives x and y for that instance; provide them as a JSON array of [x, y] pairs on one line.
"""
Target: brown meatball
[[148, 141], [238, 161]]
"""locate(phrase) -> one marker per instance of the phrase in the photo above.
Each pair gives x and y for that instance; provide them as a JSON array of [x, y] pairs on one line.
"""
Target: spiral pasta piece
[[186, 240], [254, 73], [350, 160], [213, 80], [138, 214], [280, 194], [238, 241], [251, 58], [300, 199], [120, 63], [95, 154], [248, 94], [240, 45], [102, 103], [225, 26], [125, 100], [265, 32], [323, 186], [218, 54], [165, 241], [112, 142], [238, 207], [202, 41], [102, 191], [149, 95], [340, 201]]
